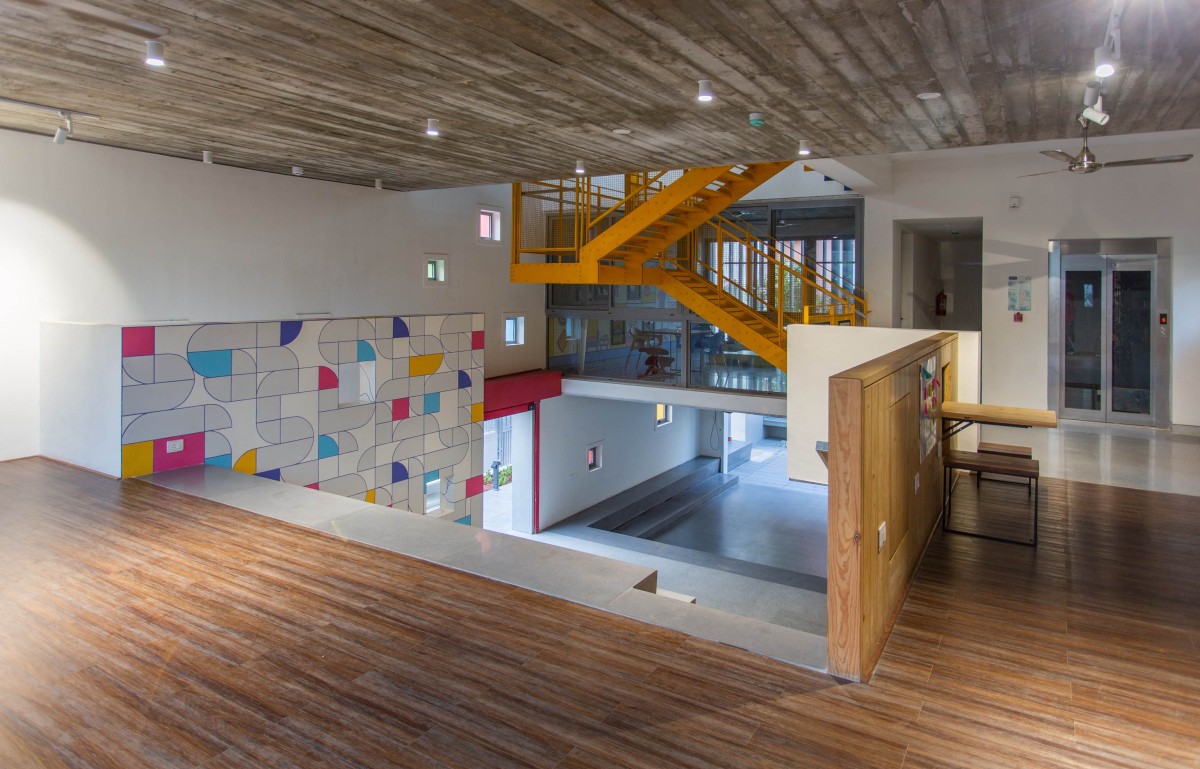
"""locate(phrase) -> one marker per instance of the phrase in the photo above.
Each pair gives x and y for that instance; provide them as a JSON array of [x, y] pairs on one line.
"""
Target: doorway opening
[[508, 473], [941, 273], [1110, 330]]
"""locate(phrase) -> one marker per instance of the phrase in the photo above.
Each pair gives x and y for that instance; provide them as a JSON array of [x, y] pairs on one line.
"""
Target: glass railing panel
[[718, 361], [643, 297], [641, 350]]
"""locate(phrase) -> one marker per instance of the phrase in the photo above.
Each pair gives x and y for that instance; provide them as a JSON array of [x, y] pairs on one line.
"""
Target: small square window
[[433, 493], [356, 383], [595, 456], [435, 270], [514, 330], [489, 224], [662, 415]]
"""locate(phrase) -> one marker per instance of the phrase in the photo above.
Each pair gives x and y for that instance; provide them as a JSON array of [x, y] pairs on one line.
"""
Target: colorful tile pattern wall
[[370, 408]]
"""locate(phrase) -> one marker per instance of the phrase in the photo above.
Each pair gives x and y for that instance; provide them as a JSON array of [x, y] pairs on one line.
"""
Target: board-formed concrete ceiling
[[524, 88]]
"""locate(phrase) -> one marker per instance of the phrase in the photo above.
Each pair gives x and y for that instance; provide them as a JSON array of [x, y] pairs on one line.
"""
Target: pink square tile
[[192, 453], [137, 341], [399, 409]]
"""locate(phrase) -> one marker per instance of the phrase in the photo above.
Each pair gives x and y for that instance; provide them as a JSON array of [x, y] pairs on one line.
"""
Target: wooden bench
[[1008, 450], [997, 464], [823, 452]]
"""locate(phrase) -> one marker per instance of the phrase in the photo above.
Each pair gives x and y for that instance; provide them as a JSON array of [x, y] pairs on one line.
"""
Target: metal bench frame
[[948, 468]]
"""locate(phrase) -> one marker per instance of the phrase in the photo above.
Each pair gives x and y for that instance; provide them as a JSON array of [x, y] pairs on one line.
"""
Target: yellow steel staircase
[[664, 229]]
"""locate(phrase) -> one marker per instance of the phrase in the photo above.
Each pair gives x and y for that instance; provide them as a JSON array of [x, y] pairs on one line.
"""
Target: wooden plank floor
[[144, 628]]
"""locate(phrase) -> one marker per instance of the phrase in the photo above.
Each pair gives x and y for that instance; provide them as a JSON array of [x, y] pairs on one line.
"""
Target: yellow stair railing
[[757, 293], [664, 228], [602, 229]]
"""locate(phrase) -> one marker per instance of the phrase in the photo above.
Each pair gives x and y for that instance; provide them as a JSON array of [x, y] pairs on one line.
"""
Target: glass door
[[1109, 367], [1083, 337]]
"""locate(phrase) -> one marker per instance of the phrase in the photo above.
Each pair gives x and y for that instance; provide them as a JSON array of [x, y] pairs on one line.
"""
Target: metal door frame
[[1112, 250]]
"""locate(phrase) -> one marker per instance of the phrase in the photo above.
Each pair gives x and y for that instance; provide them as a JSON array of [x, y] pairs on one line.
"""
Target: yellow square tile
[[137, 459]]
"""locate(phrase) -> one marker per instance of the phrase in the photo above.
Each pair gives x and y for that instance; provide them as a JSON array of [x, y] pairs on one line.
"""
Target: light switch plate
[[175, 446]]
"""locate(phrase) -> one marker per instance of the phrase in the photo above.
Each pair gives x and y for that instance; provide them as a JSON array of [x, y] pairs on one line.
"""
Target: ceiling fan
[[1085, 161]]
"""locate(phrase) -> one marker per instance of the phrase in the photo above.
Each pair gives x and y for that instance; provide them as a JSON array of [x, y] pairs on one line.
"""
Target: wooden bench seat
[[985, 447], [1004, 448], [998, 464]]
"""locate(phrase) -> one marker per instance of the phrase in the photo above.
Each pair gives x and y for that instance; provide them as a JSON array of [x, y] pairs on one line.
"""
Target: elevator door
[[1109, 355]]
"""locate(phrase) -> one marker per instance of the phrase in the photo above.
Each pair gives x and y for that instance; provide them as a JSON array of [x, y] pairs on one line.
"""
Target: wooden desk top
[[1009, 416]]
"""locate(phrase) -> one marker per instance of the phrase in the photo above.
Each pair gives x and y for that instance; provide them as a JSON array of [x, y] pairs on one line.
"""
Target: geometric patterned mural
[[380, 409]]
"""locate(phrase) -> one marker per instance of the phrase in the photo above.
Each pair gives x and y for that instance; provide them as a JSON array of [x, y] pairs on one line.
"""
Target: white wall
[[710, 433], [96, 234], [80, 414], [823, 351], [1155, 201], [795, 182], [634, 451]]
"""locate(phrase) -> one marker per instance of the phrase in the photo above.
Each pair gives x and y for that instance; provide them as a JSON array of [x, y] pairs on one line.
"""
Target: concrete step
[[631, 503], [663, 515], [740, 455]]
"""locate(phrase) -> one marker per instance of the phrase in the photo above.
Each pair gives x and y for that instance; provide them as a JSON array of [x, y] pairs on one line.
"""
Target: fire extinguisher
[[939, 307]]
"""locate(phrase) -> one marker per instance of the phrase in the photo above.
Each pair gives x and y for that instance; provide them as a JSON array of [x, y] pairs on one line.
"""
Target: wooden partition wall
[[878, 475]]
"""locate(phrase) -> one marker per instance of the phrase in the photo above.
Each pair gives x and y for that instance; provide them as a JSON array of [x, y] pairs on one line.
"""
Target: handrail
[[756, 247], [691, 261], [753, 233], [630, 195]]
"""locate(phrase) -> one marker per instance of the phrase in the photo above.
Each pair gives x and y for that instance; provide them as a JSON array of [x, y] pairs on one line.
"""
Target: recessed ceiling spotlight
[[622, 131], [297, 171], [804, 148], [156, 53], [705, 93], [579, 167], [431, 126], [757, 119], [928, 95]]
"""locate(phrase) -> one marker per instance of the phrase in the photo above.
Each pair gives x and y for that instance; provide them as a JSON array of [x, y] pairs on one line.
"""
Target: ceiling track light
[[64, 132], [60, 111], [1104, 62], [1091, 93], [379, 184], [431, 127], [580, 168], [1096, 113], [206, 156], [804, 149], [156, 53], [1107, 53], [705, 91]]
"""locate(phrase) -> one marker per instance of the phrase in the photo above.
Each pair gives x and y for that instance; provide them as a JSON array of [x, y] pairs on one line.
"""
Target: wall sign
[[1020, 293]]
